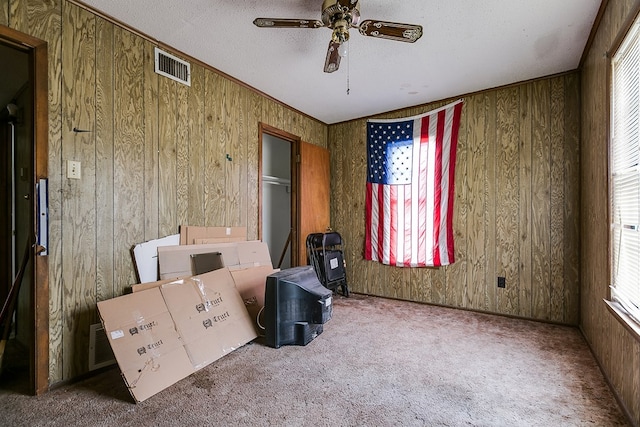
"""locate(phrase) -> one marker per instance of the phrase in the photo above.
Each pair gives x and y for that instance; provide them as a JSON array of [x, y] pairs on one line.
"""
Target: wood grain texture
[[214, 154], [339, 221], [34, 316], [4, 12], [540, 201], [242, 155], [491, 199], [571, 214], [196, 148], [44, 21], [39, 313], [138, 183], [475, 174], [356, 262], [456, 273], [503, 208], [507, 203], [104, 159], [128, 153], [167, 158], [615, 349], [254, 110], [183, 143], [53, 35], [556, 208], [314, 200], [79, 212], [151, 145], [493, 142], [525, 243], [229, 135]]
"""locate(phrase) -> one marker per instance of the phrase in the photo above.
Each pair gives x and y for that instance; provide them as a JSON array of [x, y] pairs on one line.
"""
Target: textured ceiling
[[468, 45]]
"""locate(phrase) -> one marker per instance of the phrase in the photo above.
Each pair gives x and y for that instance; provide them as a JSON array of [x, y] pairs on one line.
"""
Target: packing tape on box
[[208, 301], [150, 365], [202, 293]]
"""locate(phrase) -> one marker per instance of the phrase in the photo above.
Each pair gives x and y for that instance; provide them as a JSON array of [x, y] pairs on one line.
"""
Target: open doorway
[[278, 195], [294, 194], [24, 131], [16, 157]]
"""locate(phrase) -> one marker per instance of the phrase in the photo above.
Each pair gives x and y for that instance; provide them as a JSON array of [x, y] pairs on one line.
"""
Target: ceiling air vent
[[172, 67], [100, 353]]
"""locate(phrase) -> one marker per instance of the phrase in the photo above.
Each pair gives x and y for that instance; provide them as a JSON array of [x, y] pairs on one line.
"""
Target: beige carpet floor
[[379, 362]]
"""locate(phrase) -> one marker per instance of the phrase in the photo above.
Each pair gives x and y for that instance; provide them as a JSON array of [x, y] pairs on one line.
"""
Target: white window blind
[[624, 180]]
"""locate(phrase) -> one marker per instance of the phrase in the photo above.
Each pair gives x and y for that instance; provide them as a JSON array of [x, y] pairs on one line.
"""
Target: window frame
[[629, 318]]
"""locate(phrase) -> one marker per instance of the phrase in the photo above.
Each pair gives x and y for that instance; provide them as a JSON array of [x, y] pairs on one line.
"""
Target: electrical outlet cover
[[73, 169]]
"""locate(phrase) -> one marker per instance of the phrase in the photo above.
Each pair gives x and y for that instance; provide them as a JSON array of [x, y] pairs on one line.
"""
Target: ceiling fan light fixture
[[340, 16], [343, 49]]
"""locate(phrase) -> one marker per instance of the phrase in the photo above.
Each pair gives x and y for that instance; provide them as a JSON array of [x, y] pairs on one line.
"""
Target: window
[[624, 178]]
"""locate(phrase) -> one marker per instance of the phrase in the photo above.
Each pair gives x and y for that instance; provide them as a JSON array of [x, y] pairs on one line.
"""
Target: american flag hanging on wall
[[410, 180]]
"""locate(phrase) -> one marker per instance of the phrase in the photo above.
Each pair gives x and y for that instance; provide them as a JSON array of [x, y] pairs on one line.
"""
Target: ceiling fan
[[340, 16]]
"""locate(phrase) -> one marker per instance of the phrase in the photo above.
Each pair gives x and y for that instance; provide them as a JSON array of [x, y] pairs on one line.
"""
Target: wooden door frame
[[295, 217], [39, 303]]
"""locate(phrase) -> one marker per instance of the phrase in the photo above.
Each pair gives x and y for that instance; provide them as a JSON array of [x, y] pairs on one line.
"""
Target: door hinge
[[297, 158]]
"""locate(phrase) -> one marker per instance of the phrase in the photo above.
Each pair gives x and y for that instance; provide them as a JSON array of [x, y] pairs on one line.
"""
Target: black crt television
[[296, 306]]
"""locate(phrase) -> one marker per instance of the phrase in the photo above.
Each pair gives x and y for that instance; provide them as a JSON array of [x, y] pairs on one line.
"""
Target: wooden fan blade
[[287, 23], [332, 62], [391, 30]]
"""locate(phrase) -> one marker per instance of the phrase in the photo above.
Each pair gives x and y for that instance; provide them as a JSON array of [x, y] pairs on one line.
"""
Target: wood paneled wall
[[516, 206], [616, 350], [155, 158]]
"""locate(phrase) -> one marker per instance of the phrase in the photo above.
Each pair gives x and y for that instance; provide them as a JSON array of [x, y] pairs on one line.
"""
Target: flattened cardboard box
[[252, 254], [250, 282], [209, 315], [145, 342], [139, 287], [145, 256], [175, 261], [190, 234]]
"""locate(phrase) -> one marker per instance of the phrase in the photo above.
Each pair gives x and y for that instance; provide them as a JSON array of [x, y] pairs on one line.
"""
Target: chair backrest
[[314, 240], [331, 239]]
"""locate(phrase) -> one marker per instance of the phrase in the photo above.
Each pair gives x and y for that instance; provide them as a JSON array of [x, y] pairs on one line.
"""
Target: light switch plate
[[73, 169]]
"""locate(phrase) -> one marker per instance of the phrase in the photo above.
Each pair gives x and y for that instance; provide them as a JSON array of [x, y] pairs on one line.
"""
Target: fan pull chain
[[348, 62]]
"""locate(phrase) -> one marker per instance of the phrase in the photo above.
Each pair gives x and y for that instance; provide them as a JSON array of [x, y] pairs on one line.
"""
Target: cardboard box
[[209, 314], [138, 287], [208, 240], [250, 283], [145, 256], [252, 254], [166, 332], [144, 340], [190, 235], [175, 261]]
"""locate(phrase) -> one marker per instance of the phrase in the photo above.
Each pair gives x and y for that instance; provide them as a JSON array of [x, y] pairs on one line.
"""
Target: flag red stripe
[[367, 224], [422, 208], [407, 225], [393, 223], [437, 183], [457, 112]]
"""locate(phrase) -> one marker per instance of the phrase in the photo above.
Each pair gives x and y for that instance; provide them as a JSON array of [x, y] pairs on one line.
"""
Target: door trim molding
[[295, 150], [39, 304]]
